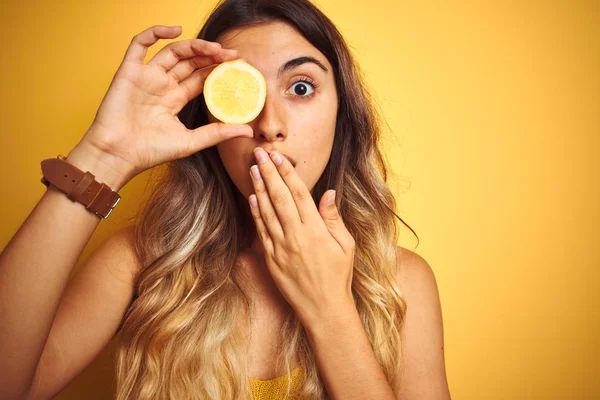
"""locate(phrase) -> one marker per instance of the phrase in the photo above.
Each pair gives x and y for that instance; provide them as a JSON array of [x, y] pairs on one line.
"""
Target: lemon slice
[[235, 92]]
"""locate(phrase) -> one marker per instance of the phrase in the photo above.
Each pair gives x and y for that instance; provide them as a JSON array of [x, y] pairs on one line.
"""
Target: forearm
[[345, 357], [35, 267]]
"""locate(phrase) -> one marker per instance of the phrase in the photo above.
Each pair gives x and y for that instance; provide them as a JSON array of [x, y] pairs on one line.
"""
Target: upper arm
[[423, 372], [89, 314]]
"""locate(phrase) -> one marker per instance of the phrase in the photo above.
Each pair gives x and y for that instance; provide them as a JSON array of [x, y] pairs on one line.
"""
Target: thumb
[[333, 220], [329, 212], [214, 133]]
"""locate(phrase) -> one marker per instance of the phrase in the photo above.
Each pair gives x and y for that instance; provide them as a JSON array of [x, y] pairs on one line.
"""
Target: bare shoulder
[[413, 269], [89, 314], [126, 234], [423, 374], [123, 242]]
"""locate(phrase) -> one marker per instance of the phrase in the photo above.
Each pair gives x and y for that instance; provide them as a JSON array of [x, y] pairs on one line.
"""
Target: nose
[[270, 125]]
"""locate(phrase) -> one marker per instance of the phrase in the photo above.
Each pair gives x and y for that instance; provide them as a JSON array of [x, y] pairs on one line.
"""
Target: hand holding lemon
[[136, 126]]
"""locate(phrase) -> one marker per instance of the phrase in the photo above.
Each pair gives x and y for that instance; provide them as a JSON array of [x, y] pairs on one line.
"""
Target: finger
[[139, 44], [261, 228], [303, 200], [278, 193], [194, 84], [184, 68], [211, 134], [267, 211], [335, 224], [172, 53]]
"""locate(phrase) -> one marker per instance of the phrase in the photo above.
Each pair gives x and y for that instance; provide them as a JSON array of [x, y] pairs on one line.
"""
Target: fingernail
[[331, 198], [261, 155], [253, 201], [255, 172], [276, 158]]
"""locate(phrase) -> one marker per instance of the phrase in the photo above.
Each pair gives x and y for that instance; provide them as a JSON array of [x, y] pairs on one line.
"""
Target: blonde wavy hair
[[184, 335]]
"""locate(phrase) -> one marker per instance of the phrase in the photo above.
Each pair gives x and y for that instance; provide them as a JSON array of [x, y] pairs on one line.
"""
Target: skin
[[298, 119], [300, 126], [304, 129]]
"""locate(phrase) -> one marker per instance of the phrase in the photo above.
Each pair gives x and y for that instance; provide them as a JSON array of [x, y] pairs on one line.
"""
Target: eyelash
[[306, 79]]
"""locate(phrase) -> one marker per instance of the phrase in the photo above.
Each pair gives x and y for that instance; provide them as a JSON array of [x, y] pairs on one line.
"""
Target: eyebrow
[[296, 62]]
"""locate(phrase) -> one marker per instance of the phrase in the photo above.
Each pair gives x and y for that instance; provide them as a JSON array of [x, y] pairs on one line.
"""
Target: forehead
[[269, 45]]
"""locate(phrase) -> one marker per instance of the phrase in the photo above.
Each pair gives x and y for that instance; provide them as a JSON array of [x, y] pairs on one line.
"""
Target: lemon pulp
[[235, 92]]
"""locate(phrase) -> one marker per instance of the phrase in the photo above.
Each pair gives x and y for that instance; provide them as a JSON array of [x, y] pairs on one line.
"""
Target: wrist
[[101, 165], [331, 317]]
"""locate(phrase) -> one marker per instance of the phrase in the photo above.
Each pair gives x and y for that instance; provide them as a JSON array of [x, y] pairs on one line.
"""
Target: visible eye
[[304, 87]]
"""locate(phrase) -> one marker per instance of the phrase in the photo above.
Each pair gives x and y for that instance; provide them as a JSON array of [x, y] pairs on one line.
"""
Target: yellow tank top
[[274, 389]]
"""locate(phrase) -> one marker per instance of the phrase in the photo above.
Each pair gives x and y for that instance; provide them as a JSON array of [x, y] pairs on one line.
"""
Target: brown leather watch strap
[[79, 186]]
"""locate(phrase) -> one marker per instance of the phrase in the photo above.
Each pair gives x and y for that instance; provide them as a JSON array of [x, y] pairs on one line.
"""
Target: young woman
[[299, 295]]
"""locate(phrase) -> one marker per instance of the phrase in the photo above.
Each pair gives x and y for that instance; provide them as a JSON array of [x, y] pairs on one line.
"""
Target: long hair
[[185, 334]]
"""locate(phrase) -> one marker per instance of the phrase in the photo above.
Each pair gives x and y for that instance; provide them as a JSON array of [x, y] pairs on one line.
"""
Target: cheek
[[237, 171], [229, 158], [318, 147]]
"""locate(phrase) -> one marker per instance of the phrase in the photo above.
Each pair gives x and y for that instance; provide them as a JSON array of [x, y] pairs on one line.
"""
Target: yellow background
[[494, 109]]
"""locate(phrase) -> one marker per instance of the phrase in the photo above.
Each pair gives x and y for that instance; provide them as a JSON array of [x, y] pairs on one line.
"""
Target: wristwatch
[[79, 186]]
